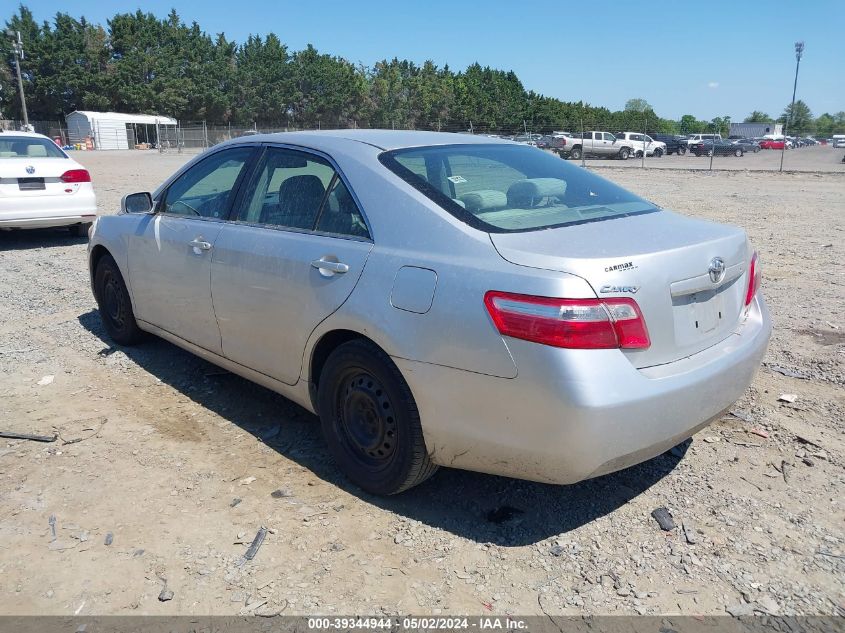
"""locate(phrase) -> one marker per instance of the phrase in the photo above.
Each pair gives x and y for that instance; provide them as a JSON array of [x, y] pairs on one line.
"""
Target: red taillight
[[572, 323], [76, 175], [754, 277]]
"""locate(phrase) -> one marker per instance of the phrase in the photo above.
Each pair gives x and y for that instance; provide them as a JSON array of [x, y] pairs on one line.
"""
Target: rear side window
[[299, 190], [511, 188], [28, 147]]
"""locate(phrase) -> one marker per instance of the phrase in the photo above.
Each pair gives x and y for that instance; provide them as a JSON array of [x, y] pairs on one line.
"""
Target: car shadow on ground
[[38, 238], [482, 508]]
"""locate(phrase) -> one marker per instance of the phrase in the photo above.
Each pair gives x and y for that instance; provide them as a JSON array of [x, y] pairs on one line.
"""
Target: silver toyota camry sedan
[[441, 299]]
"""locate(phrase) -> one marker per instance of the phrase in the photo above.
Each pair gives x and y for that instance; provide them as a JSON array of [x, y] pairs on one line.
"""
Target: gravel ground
[[166, 467]]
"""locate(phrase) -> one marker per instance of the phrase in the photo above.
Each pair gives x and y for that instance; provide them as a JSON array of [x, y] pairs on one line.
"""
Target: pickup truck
[[640, 143], [695, 139], [675, 143], [596, 144]]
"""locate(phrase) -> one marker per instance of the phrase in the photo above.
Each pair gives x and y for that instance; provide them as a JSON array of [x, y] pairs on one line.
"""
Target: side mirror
[[137, 203]]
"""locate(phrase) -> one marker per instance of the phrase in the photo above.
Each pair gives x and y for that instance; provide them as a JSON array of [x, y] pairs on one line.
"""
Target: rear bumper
[[44, 211], [574, 414]]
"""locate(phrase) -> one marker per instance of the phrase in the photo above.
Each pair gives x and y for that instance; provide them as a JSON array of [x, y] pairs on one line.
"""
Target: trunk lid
[[662, 260], [25, 177]]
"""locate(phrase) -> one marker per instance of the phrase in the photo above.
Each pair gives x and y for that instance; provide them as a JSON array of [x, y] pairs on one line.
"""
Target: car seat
[[299, 200]]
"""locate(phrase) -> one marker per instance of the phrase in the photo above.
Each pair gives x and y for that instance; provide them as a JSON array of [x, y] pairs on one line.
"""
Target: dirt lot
[[177, 461]]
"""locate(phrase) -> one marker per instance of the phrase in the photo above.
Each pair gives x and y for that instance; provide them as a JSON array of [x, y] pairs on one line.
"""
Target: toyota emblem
[[30, 169], [717, 269]]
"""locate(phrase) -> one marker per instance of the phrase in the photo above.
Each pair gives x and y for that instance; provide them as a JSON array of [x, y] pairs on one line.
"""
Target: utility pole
[[799, 51], [17, 49]]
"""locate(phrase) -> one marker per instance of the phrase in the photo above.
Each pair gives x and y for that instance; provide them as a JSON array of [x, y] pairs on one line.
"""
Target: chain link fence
[[56, 130], [591, 143]]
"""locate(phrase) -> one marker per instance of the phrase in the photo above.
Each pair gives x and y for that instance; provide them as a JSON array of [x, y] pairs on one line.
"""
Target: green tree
[[264, 82], [798, 119], [328, 91], [758, 117], [141, 63], [637, 105], [690, 125], [825, 124]]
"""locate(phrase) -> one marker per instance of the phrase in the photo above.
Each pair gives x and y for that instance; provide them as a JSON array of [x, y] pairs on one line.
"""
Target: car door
[[607, 144], [295, 249], [587, 143], [170, 252]]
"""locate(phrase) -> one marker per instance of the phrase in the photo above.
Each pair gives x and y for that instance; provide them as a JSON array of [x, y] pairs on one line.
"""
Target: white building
[[113, 130]]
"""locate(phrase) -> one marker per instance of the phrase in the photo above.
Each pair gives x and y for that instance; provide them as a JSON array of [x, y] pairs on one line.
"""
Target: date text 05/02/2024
[[419, 623]]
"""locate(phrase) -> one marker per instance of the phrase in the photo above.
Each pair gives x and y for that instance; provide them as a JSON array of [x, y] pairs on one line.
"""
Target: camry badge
[[30, 169], [617, 289], [717, 269]]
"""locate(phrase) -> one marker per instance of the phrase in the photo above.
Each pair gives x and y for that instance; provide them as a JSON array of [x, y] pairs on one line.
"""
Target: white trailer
[[115, 130]]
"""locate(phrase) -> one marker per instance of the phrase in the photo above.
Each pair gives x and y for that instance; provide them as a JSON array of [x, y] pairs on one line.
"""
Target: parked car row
[[716, 147], [597, 144]]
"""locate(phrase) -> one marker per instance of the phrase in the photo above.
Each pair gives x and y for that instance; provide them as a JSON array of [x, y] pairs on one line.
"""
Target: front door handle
[[200, 244], [328, 266]]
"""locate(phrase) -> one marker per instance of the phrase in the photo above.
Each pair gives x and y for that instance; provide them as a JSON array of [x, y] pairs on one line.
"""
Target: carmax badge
[[619, 289]]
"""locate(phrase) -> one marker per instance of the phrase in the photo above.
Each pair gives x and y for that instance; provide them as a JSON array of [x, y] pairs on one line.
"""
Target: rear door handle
[[324, 264], [200, 244]]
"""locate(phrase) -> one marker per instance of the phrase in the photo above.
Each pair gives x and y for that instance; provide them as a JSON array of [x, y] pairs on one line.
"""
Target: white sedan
[[41, 186]]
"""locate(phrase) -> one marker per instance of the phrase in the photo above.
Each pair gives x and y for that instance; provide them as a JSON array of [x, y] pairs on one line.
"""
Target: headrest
[[36, 150], [530, 191], [304, 187], [484, 200]]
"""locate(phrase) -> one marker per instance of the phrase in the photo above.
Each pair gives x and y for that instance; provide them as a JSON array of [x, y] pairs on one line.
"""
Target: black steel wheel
[[114, 303], [370, 420]]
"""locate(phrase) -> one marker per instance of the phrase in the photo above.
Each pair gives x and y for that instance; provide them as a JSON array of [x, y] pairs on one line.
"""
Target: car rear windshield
[[28, 147], [511, 188]]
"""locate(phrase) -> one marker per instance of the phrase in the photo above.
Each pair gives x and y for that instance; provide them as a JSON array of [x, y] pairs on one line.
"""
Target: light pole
[[799, 50], [17, 49]]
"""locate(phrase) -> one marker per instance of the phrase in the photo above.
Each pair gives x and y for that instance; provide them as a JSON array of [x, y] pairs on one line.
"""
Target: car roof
[[380, 139], [5, 133]]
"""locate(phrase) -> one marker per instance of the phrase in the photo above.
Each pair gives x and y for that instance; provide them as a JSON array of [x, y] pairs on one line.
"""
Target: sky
[[706, 58]]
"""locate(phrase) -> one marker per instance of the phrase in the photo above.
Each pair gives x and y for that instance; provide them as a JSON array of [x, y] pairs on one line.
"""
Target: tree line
[[141, 63]]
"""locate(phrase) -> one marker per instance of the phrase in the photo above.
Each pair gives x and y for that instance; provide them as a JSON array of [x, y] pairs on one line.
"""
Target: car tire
[[80, 230], [370, 420], [575, 154], [624, 153], [738, 152], [682, 151], [658, 153], [114, 303]]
